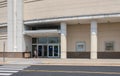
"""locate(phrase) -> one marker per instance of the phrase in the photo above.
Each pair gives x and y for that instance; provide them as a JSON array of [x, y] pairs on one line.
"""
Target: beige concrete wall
[[108, 32], [77, 33], [3, 11], [3, 14], [27, 44], [59, 8]]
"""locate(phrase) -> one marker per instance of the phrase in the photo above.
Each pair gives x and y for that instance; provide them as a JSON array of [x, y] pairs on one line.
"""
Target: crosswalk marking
[[14, 66], [10, 69], [5, 74], [7, 70]]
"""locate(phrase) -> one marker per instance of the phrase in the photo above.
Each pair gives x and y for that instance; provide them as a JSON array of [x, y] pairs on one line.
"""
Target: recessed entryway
[[47, 47]]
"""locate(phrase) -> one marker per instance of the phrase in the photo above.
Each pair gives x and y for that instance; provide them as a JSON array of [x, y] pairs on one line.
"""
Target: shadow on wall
[[30, 1]]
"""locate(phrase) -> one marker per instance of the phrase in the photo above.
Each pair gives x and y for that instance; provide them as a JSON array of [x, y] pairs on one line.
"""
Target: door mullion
[[47, 50], [37, 50], [58, 50], [42, 51], [53, 50]]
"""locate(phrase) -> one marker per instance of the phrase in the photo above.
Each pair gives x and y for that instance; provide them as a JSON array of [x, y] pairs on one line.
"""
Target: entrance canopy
[[82, 19], [38, 33]]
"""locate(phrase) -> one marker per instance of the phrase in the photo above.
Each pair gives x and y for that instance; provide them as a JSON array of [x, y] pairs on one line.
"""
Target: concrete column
[[63, 40], [15, 25], [10, 25], [93, 39], [19, 18]]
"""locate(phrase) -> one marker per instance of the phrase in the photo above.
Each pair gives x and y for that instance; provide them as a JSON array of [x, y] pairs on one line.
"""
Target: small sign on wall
[[80, 46]]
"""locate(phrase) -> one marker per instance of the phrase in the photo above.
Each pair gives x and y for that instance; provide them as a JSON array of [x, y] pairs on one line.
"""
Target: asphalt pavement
[[50, 70]]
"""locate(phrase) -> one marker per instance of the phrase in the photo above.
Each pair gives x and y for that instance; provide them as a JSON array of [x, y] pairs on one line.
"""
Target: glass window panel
[[40, 48], [56, 50], [34, 47], [45, 50], [50, 50], [34, 40], [42, 40], [53, 40]]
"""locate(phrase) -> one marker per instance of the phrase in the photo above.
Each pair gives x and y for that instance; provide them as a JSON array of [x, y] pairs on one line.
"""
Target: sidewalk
[[72, 62]]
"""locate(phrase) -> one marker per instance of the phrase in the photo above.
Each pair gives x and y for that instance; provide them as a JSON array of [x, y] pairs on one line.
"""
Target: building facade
[[60, 28]]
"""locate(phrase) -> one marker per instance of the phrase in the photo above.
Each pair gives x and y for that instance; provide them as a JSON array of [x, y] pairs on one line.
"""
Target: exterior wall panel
[[109, 32], [78, 55], [108, 55], [3, 14], [77, 33], [59, 8]]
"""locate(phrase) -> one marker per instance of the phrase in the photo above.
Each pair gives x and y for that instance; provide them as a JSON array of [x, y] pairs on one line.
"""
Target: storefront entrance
[[47, 47], [51, 50]]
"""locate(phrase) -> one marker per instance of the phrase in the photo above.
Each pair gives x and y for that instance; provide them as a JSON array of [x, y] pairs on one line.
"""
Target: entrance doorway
[[50, 50], [47, 47]]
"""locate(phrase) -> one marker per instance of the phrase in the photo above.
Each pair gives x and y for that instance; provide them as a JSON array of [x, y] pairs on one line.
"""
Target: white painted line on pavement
[[14, 66], [5, 74], [8, 71], [11, 68]]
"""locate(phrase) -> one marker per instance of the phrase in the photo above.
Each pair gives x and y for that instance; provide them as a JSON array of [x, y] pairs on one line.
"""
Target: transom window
[[45, 40], [42, 40], [34, 40], [53, 40]]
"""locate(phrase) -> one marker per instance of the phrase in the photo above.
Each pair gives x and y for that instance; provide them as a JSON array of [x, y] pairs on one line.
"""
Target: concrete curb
[[69, 62]]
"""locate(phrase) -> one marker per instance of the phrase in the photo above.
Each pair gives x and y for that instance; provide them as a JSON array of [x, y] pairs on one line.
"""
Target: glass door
[[45, 50], [56, 51], [50, 50], [53, 50], [42, 50]]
